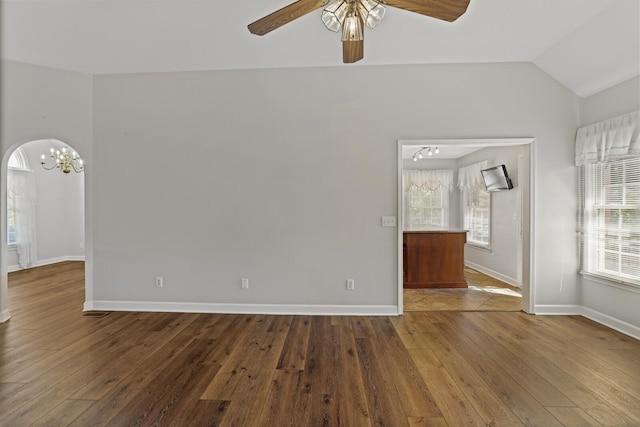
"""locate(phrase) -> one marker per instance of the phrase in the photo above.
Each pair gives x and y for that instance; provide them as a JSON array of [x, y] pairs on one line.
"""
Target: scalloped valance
[[616, 138], [470, 176], [428, 179]]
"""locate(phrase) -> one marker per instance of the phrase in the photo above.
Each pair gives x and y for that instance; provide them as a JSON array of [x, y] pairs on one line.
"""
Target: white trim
[[48, 261], [287, 309], [5, 315], [400, 235], [612, 322], [489, 272], [558, 310], [601, 280], [601, 318]]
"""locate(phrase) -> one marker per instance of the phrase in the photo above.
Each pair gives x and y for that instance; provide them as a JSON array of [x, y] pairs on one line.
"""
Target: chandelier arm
[[63, 161]]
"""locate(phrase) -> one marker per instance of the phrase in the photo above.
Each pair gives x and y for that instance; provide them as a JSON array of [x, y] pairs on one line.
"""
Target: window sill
[[479, 246], [607, 281]]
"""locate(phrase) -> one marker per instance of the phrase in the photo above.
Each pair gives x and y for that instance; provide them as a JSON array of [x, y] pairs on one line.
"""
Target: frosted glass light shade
[[352, 27], [334, 14], [371, 11]]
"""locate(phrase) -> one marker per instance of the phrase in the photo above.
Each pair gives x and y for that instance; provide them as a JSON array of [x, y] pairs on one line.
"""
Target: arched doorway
[[43, 210]]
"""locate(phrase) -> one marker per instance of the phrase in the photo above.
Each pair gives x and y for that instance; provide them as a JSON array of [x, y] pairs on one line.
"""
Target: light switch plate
[[389, 221]]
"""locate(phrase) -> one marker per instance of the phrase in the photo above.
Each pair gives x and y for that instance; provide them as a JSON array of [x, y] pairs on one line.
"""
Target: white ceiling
[[588, 45]]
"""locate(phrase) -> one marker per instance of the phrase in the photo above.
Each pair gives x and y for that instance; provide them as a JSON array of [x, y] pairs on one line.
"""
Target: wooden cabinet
[[434, 259]]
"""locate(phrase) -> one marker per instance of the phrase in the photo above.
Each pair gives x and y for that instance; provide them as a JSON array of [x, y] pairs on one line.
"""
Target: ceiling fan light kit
[[371, 11], [353, 15], [352, 37]]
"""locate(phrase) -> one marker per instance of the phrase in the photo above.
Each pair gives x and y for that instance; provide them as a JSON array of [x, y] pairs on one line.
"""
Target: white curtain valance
[[470, 176], [608, 140], [428, 179]]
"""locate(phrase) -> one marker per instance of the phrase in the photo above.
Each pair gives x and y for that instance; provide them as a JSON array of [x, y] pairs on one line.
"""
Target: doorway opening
[[44, 211], [500, 269]]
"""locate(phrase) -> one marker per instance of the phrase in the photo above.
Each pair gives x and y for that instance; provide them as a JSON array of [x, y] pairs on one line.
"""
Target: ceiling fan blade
[[285, 15], [447, 10], [352, 51]]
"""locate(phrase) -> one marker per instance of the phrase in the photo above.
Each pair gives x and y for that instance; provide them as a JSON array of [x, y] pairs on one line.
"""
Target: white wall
[[605, 302], [59, 209], [281, 176], [613, 102], [37, 103]]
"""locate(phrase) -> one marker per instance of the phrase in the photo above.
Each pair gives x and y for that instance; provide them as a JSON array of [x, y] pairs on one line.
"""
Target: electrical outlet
[[245, 283], [351, 284], [158, 282]]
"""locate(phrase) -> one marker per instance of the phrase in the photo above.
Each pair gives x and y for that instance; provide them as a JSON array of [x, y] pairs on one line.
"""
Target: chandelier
[[418, 154], [351, 15], [63, 161]]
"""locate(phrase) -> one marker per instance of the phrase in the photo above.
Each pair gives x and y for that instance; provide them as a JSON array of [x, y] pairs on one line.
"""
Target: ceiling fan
[[352, 15]]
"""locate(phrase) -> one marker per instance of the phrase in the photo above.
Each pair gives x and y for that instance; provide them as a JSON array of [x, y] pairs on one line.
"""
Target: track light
[[418, 154]]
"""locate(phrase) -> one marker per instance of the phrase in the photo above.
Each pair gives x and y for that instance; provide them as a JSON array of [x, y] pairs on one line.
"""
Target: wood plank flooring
[[483, 294], [59, 367]]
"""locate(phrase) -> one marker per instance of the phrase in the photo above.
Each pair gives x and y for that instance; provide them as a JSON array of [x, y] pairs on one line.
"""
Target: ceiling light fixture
[[63, 161], [351, 15], [418, 154]]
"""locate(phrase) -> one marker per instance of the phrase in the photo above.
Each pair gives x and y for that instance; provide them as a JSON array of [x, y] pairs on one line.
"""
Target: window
[[427, 207], [477, 215], [426, 201], [610, 219], [17, 161]]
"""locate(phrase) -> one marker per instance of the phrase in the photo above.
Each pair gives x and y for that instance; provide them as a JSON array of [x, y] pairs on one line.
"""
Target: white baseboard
[[611, 322], [286, 309], [4, 315], [489, 272], [578, 310], [40, 263], [560, 310]]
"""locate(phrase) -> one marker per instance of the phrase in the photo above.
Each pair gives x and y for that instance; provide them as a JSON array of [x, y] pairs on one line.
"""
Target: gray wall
[[606, 301], [281, 176], [40, 103], [285, 180]]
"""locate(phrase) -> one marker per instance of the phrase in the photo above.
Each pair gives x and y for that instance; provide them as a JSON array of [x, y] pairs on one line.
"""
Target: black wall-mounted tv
[[496, 178]]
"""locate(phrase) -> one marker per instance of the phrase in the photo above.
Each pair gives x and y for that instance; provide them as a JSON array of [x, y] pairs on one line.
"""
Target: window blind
[[610, 219]]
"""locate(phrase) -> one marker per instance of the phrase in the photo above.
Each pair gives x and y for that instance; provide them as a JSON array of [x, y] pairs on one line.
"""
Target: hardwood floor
[[483, 294], [60, 367]]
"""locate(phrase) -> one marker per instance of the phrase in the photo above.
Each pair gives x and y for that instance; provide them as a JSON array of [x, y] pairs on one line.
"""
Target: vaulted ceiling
[[588, 45]]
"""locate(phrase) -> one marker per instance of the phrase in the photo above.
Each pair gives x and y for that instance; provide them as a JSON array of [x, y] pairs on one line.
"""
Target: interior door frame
[[527, 240]]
